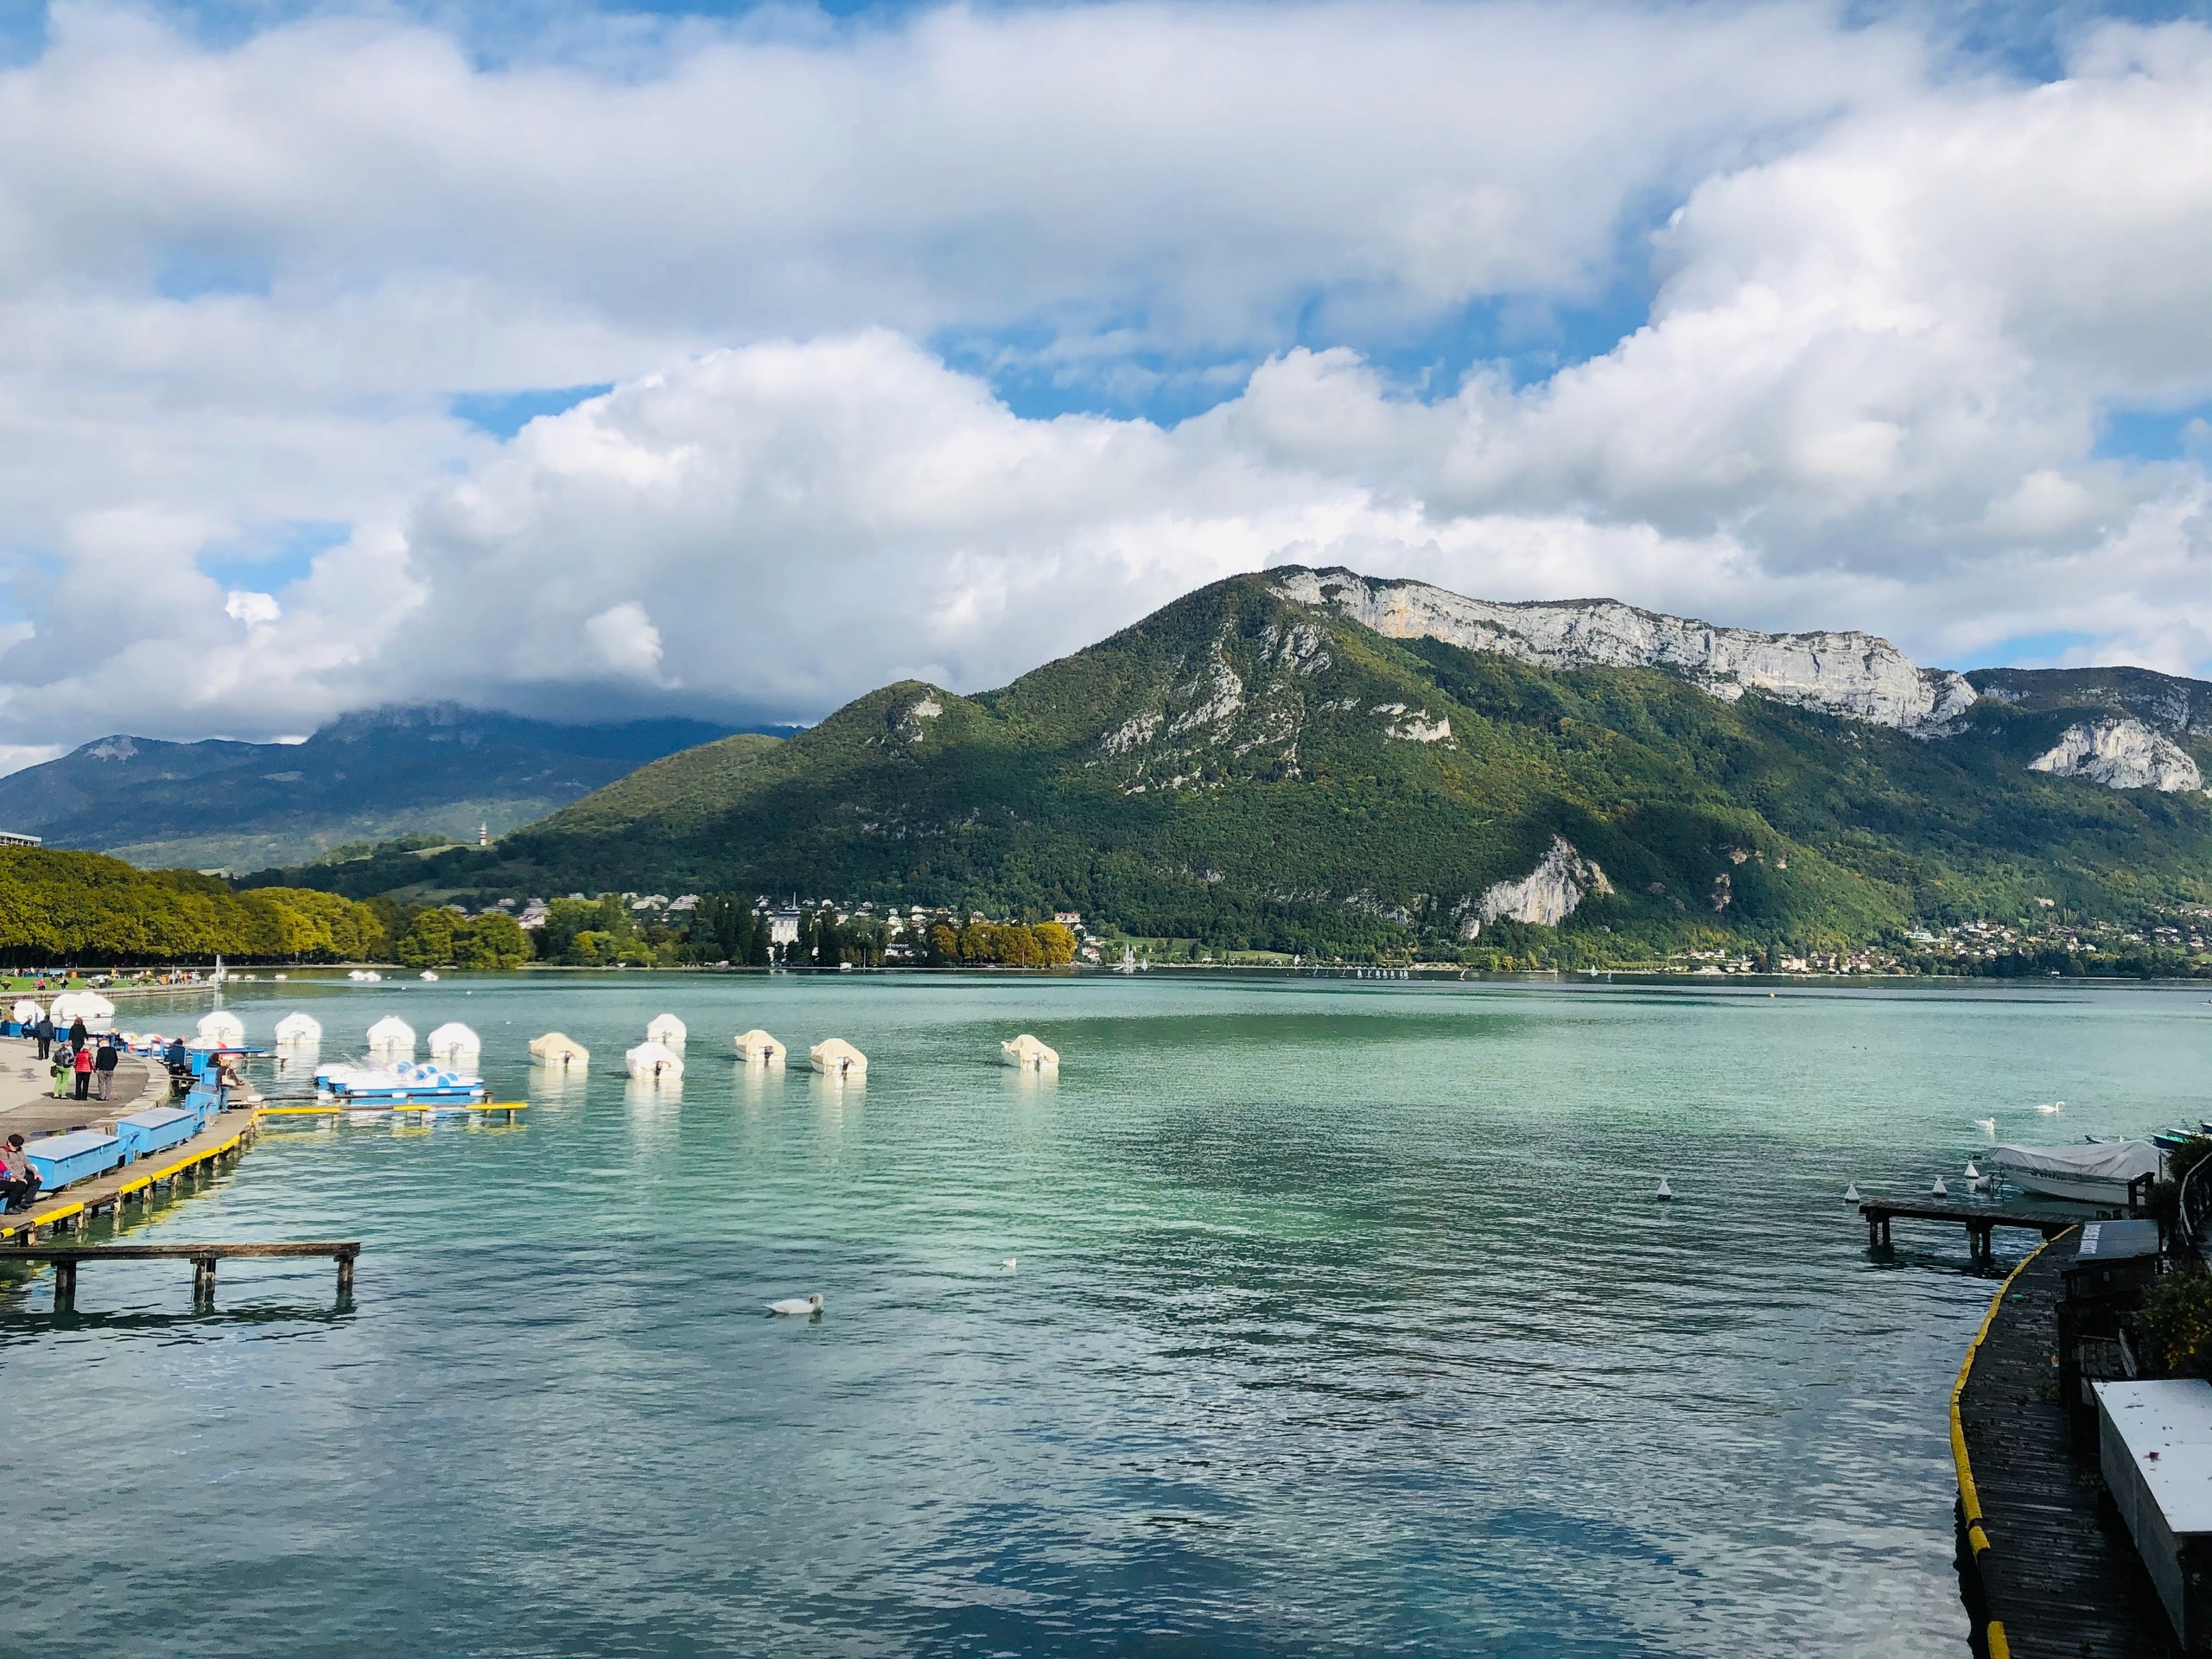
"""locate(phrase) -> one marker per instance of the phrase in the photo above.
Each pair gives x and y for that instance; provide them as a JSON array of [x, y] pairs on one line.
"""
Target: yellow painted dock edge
[[136, 1183], [1969, 1498]]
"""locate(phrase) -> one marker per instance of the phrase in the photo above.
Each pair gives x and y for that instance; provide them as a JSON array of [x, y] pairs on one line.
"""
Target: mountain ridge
[[397, 769], [1247, 764]]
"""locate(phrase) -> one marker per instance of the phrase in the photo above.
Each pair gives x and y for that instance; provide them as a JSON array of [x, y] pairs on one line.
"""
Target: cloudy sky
[[735, 361]]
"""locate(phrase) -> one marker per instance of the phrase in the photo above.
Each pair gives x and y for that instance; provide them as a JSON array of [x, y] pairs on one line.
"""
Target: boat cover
[[222, 1029], [2118, 1161]]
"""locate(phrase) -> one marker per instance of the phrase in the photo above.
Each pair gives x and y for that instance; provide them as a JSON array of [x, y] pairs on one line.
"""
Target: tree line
[[58, 907]]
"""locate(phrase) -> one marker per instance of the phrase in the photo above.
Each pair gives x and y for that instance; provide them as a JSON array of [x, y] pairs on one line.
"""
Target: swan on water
[[1987, 1126], [1939, 1191], [2055, 1106], [1009, 1263], [1665, 1191], [1851, 1193], [801, 1305]]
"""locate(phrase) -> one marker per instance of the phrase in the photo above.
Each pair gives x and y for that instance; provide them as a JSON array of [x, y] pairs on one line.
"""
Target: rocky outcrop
[[1853, 674], [2120, 755], [1548, 895]]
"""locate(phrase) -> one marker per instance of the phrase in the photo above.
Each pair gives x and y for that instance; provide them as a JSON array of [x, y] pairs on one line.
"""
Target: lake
[[1342, 1319]]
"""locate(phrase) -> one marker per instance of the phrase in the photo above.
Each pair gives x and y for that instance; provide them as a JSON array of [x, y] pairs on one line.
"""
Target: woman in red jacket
[[84, 1067]]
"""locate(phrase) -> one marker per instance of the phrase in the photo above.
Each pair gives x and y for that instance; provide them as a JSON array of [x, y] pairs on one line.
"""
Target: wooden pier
[[66, 1259], [1978, 1219], [69, 1210], [2046, 1570]]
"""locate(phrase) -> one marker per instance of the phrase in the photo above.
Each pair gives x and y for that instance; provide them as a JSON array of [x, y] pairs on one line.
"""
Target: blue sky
[[653, 331]]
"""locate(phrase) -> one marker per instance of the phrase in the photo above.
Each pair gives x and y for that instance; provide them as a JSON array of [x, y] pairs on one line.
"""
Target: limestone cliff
[[1548, 895], [1853, 674], [2120, 755]]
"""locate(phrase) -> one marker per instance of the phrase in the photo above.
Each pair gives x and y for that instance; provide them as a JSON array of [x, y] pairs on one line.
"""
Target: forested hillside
[[1247, 769]]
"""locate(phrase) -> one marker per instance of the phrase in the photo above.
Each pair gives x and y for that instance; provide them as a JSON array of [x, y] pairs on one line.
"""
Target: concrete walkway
[[27, 1106]]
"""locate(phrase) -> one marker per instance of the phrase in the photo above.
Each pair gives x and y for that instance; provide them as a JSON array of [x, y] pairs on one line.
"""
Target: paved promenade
[[27, 1106]]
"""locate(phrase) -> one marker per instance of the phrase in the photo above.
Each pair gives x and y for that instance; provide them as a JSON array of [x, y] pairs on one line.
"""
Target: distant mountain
[[434, 769], [1313, 758]]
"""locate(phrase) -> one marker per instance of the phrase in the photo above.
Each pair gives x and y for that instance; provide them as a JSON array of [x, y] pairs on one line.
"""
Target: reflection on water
[[1343, 1320]]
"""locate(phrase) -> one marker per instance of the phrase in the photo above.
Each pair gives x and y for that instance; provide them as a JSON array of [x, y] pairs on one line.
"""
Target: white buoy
[[1974, 1173], [1665, 1191], [801, 1305], [1851, 1193], [666, 1030], [1939, 1190]]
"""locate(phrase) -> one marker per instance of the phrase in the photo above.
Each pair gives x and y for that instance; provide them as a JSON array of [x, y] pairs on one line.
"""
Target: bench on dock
[[1978, 1219], [67, 1258]]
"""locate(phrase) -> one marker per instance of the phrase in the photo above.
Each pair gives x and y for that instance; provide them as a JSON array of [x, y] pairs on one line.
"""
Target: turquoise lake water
[[1343, 1321]]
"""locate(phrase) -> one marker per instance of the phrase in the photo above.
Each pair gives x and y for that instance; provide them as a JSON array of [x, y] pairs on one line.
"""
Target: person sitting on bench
[[19, 1182]]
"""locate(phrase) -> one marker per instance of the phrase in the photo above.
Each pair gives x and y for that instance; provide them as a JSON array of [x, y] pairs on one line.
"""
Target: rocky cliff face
[[1548, 895], [2120, 755], [1853, 674]]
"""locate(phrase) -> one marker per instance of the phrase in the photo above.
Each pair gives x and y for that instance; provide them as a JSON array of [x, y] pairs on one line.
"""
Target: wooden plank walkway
[[68, 1211], [1978, 1219], [66, 1259], [2057, 1573]]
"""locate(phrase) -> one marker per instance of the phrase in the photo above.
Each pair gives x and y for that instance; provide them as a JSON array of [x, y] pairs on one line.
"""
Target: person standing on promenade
[[82, 1065], [44, 1031], [77, 1032], [19, 1182], [104, 1065], [60, 1067]]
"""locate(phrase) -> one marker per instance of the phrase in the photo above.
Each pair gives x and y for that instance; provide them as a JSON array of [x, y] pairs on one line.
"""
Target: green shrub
[[2175, 1321]]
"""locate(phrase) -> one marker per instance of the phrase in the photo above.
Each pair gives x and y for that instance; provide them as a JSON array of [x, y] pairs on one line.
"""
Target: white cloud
[[239, 285]]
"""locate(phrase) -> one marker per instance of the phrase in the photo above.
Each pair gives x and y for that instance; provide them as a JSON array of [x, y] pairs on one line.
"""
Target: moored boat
[[2094, 1171]]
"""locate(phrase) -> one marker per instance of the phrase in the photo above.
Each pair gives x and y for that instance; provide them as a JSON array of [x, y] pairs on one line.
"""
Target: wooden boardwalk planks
[[2060, 1574], [69, 1210]]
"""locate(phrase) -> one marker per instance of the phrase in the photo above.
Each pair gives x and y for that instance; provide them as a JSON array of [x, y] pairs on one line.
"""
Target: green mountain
[[1312, 759], [436, 769]]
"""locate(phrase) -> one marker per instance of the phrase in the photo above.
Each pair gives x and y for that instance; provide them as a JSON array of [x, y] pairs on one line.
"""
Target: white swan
[[2055, 1106], [1987, 1126], [1010, 1263], [800, 1305]]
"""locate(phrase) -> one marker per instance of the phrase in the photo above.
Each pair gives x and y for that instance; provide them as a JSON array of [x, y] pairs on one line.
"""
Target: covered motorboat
[[221, 1029], [838, 1058], [455, 1042], [2092, 1171], [299, 1030], [666, 1030], [25, 1012], [392, 1035], [1029, 1054], [95, 1010], [654, 1063], [558, 1049], [757, 1047]]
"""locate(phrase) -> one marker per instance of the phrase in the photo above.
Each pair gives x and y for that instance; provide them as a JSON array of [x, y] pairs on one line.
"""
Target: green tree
[[493, 940], [429, 940]]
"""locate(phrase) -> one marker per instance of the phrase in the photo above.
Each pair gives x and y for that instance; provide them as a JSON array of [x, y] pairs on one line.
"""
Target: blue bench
[[155, 1130], [63, 1160]]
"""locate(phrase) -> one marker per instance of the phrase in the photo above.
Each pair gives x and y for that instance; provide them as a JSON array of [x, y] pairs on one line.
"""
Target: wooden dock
[[70, 1210], [67, 1259], [1978, 1219], [2047, 1571]]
